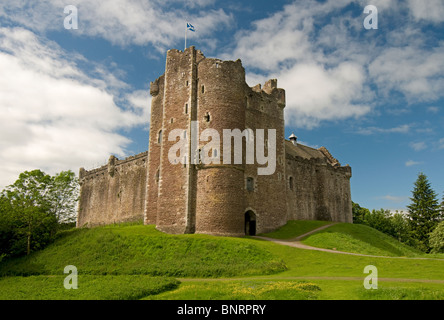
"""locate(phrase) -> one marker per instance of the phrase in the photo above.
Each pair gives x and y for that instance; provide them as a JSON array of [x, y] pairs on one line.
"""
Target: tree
[[379, 220], [400, 227], [63, 196], [31, 221], [424, 211], [33, 208], [437, 239], [358, 213], [442, 207]]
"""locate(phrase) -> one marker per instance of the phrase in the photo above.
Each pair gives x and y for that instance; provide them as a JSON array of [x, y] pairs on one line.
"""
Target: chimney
[[293, 139]]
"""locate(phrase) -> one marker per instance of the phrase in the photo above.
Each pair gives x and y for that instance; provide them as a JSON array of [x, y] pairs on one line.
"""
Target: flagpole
[[186, 28]]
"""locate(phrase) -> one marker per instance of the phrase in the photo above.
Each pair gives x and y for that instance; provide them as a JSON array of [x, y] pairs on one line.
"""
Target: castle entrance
[[250, 223]]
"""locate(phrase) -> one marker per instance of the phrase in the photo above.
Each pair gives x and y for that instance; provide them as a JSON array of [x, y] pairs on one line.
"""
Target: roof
[[308, 153]]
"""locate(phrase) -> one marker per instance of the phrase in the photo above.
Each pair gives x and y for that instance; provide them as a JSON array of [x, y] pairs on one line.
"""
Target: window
[[157, 176], [203, 89], [187, 83], [207, 117], [159, 137], [250, 184], [199, 156], [290, 183], [186, 108]]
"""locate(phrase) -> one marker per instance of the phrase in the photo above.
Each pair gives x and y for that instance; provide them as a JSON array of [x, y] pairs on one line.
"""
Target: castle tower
[[170, 200], [220, 186], [201, 95]]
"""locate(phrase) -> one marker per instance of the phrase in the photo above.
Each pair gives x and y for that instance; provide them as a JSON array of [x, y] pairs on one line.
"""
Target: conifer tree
[[424, 211]]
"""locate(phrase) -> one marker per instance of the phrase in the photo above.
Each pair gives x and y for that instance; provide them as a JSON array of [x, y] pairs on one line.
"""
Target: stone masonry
[[198, 93]]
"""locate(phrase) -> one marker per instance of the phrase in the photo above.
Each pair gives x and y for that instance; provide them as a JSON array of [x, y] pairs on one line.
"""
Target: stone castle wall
[[114, 192], [318, 190], [265, 110]]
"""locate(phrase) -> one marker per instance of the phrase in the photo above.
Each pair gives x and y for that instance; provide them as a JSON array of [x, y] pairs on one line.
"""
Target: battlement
[[113, 162]]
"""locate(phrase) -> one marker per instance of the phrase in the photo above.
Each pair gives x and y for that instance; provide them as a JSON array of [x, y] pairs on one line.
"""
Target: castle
[[230, 199]]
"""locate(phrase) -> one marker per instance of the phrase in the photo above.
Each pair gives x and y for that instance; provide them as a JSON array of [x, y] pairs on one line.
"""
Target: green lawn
[[242, 290], [122, 287], [139, 262], [359, 238]]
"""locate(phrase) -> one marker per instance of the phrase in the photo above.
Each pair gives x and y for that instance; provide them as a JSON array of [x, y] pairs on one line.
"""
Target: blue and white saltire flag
[[190, 27]]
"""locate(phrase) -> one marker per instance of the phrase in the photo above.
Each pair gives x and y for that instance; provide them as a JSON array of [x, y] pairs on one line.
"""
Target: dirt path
[[296, 243]]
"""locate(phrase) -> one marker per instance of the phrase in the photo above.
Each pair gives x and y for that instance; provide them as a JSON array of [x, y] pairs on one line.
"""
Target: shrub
[[436, 240]]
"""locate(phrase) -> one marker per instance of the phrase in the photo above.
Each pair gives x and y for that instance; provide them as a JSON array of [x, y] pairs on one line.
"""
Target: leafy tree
[[379, 220], [63, 196], [32, 209], [437, 239], [31, 221], [358, 213], [400, 227], [442, 207], [424, 211]]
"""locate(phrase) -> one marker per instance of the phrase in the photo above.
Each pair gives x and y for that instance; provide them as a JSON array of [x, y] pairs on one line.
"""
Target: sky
[[72, 95]]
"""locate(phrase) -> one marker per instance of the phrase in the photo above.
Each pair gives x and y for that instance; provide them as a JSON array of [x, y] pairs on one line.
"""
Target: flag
[[190, 27]]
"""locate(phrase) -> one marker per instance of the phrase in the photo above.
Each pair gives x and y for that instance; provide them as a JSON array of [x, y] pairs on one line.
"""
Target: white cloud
[[405, 128], [410, 163], [395, 199], [122, 22], [315, 93], [433, 109], [308, 42], [430, 10], [417, 73], [418, 146], [54, 116], [287, 46]]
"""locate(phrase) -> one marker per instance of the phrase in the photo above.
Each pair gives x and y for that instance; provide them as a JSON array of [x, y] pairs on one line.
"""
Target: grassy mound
[[142, 250], [295, 228], [357, 238]]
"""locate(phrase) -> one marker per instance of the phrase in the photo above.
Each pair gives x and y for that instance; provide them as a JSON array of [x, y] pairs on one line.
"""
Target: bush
[[437, 239]]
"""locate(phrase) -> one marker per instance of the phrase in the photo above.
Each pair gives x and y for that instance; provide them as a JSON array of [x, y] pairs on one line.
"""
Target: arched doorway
[[250, 223]]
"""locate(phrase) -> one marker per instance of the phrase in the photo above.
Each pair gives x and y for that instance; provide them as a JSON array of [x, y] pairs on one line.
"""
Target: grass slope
[[295, 228], [358, 238], [139, 249]]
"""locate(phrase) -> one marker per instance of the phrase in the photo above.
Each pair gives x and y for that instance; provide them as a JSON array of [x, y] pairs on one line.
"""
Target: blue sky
[[373, 98]]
